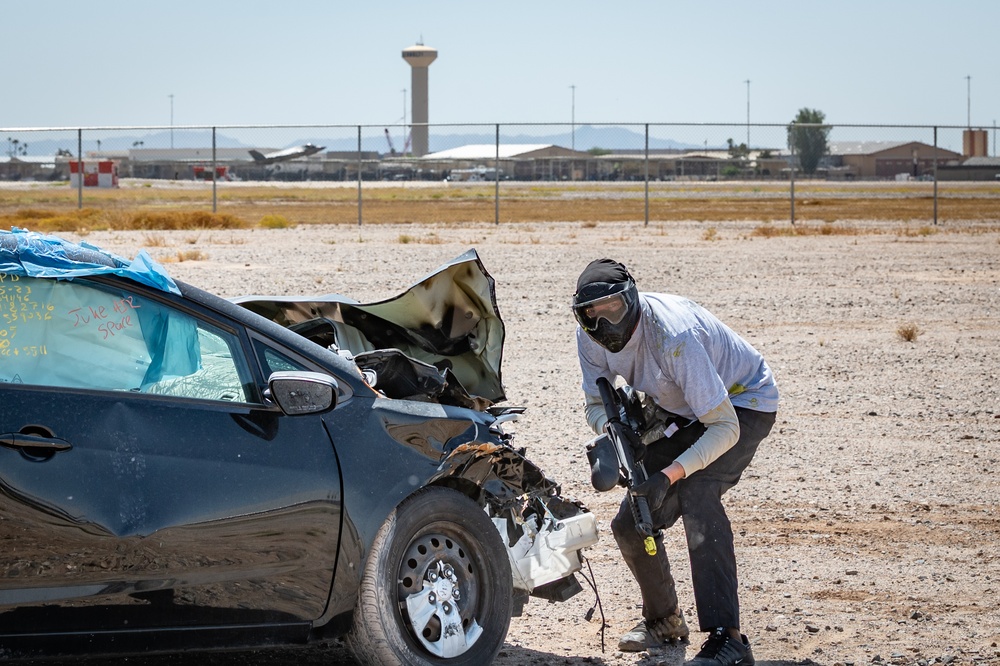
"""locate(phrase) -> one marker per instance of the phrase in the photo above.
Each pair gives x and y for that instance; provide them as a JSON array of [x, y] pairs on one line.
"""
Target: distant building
[[867, 160], [975, 143], [887, 159], [974, 168], [674, 164], [514, 161], [31, 167], [237, 164], [93, 173]]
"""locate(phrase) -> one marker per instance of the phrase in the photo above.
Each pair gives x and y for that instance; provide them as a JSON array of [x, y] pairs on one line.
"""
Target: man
[[717, 398]]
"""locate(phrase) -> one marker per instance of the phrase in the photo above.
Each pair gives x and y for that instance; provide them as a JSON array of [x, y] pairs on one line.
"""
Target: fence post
[[496, 179], [79, 168], [935, 176], [646, 223], [791, 171], [215, 200], [359, 176]]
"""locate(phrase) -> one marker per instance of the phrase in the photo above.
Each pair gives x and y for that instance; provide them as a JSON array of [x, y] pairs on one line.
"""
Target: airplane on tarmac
[[286, 154]]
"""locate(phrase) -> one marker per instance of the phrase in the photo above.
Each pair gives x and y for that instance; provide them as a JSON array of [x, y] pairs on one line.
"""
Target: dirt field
[[866, 528]]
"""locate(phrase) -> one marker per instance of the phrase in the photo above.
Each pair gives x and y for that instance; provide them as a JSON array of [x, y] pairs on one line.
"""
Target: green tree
[[811, 142], [15, 147], [738, 152]]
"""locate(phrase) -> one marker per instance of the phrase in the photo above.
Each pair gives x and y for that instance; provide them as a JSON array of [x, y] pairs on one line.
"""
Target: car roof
[[32, 254], [267, 327], [20, 243], [262, 325]]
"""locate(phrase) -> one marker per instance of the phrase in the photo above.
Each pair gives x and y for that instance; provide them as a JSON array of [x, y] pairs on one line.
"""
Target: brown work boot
[[656, 633]]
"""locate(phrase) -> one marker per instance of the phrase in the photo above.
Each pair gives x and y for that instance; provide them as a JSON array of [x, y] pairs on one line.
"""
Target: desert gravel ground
[[866, 528]]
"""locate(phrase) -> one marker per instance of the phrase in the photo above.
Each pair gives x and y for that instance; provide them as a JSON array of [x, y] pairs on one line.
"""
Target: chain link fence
[[499, 173]]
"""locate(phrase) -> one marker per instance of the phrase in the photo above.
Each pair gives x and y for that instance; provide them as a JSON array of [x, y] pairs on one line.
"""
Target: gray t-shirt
[[684, 358]]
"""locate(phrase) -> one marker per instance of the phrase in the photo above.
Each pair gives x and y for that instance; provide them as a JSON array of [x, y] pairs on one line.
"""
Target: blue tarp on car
[[32, 254]]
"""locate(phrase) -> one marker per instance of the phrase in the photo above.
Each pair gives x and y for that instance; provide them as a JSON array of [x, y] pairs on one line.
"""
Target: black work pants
[[709, 534]]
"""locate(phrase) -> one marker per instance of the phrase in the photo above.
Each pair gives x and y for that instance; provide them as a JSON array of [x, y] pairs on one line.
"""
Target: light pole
[[572, 117], [748, 114], [404, 122], [171, 96], [968, 101]]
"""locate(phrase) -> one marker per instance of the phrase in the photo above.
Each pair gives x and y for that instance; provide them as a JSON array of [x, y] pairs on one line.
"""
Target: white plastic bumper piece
[[552, 552]]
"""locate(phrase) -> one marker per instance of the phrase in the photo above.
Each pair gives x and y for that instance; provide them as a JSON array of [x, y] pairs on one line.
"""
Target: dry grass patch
[[44, 220], [117, 219], [827, 207], [275, 222], [805, 229], [922, 230], [154, 240], [908, 332], [231, 240], [185, 220], [430, 239], [187, 255]]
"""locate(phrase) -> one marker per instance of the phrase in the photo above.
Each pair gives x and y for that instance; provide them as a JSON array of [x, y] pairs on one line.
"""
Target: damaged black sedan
[[179, 470]]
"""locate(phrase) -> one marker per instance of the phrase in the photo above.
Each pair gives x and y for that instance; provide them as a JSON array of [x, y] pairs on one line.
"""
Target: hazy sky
[[71, 63]]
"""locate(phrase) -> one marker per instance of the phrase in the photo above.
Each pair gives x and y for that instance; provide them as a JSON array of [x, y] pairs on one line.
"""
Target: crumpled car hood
[[440, 340]]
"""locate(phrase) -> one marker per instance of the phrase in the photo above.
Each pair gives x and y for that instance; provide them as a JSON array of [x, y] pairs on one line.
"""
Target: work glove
[[654, 489], [636, 446]]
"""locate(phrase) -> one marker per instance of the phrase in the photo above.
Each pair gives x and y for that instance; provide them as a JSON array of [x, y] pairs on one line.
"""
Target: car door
[[143, 480]]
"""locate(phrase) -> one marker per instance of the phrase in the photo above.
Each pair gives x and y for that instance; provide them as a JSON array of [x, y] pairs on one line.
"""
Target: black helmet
[[606, 304]]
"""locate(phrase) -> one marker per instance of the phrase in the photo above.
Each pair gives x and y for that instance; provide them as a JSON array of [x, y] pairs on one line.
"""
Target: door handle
[[21, 440]]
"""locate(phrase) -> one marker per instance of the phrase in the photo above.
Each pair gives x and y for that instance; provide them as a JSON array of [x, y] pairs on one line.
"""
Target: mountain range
[[584, 138]]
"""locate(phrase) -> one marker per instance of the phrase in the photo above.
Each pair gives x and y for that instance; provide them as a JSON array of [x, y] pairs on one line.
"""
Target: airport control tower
[[420, 58]]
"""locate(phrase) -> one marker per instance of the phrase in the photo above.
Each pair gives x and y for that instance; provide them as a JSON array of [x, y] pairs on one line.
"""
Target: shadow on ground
[[337, 654]]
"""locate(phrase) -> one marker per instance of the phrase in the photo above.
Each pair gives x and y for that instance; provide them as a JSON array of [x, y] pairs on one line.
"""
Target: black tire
[[435, 544]]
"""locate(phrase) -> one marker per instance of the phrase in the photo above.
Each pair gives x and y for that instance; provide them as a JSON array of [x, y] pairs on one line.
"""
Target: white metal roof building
[[488, 151], [523, 161]]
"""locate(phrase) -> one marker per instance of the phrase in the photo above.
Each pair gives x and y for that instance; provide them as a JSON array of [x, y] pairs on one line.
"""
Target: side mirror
[[298, 393]]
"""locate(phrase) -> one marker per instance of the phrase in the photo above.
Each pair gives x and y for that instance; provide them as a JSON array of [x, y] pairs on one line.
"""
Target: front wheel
[[436, 588]]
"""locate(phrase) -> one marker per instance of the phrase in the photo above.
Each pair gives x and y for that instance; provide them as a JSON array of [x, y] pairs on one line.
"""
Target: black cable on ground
[[597, 600]]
